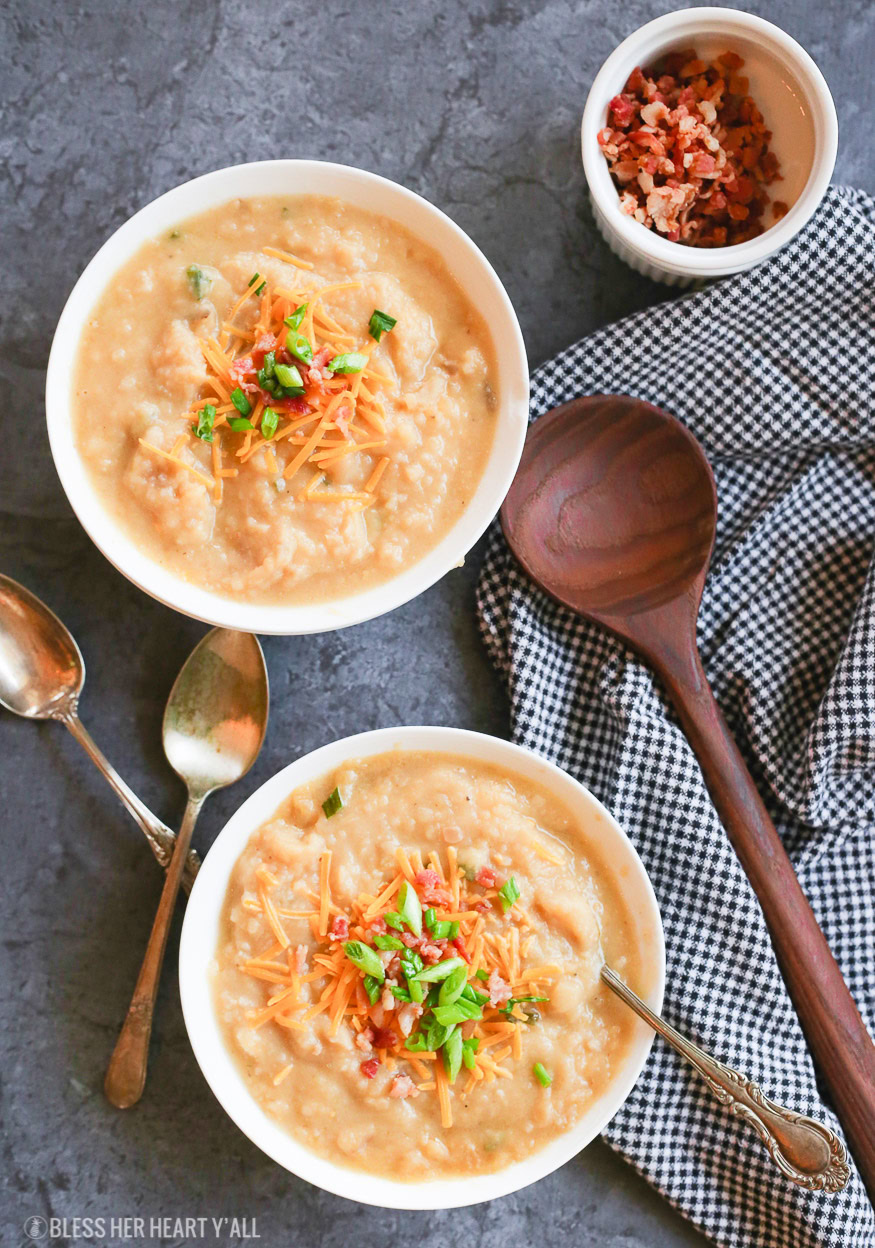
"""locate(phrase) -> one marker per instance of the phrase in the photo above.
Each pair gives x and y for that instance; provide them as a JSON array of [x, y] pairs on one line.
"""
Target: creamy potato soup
[[285, 400], [408, 967]]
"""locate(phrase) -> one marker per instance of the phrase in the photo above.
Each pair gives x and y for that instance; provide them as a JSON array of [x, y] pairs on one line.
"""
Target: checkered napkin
[[774, 372]]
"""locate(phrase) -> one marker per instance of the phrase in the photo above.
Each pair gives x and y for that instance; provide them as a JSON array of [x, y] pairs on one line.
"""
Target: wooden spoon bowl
[[613, 512]]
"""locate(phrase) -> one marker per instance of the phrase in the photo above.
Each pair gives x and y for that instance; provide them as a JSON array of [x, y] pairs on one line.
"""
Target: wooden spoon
[[612, 512]]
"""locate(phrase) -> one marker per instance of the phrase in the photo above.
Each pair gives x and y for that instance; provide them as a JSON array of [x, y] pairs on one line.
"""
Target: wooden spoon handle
[[836, 1034], [126, 1073]]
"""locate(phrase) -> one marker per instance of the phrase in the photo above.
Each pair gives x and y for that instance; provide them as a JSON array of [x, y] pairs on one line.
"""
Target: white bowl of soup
[[389, 967], [287, 397]]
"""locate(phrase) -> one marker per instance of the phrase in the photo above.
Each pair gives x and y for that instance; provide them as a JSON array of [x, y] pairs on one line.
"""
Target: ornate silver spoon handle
[[159, 836], [806, 1152]]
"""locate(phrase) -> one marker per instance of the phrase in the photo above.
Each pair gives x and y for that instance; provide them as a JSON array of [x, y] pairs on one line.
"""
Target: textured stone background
[[475, 104]]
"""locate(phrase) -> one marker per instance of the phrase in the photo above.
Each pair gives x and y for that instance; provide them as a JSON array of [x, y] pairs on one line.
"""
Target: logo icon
[[36, 1227]]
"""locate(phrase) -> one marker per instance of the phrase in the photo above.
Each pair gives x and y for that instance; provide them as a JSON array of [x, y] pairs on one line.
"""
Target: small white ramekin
[[200, 936], [645, 250], [469, 267]]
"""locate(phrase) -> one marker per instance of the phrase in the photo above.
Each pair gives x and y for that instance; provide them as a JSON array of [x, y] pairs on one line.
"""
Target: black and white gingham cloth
[[774, 371]]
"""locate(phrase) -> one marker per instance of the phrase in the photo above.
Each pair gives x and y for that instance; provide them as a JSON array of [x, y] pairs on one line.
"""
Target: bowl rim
[[471, 270], [200, 933], [668, 28]]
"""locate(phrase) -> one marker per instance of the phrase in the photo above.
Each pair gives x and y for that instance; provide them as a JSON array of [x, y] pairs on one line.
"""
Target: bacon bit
[[384, 1038], [370, 1067], [407, 1016], [689, 151], [463, 952], [365, 1040], [291, 403], [378, 925], [621, 110], [499, 991], [402, 1087], [265, 343], [486, 877], [432, 953], [339, 929], [432, 889]]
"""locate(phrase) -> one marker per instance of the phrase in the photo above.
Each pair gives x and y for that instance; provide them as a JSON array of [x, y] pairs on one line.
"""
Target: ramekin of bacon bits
[[709, 137]]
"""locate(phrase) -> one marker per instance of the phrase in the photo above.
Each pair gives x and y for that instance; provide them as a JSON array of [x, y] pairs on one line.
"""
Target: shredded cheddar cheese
[[491, 942], [331, 417]]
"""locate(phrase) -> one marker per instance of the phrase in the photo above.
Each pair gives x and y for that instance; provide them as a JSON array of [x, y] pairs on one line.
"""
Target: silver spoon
[[806, 1152], [214, 725], [41, 677]]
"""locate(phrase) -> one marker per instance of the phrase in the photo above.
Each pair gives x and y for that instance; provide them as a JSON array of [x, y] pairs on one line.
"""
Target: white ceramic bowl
[[471, 270], [779, 70], [200, 934]]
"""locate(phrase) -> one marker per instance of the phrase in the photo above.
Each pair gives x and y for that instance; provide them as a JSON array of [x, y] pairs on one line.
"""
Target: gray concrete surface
[[105, 105]]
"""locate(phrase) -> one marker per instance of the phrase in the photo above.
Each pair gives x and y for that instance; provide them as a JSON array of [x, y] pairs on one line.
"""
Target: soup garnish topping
[[296, 364], [430, 972]]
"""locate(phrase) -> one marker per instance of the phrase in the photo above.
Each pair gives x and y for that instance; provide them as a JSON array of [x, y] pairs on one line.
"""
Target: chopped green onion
[[239, 424], [373, 988], [449, 1014], [453, 1054], [348, 362], [394, 920], [470, 1009], [410, 907], [437, 1034], [365, 959], [265, 374], [203, 429], [240, 401], [261, 288], [400, 994], [269, 423], [471, 994], [198, 280], [298, 345], [417, 991], [509, 893], [532, 1015], [416, 1044], [441, 929], [253, 279], [428, 918], [333, 803], [483, 975], [380, 323], [453, 986], [389, 942], [288, 376], [294, 321], [411, 963], [434, 974], [469, 1048], [542, 1075]]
